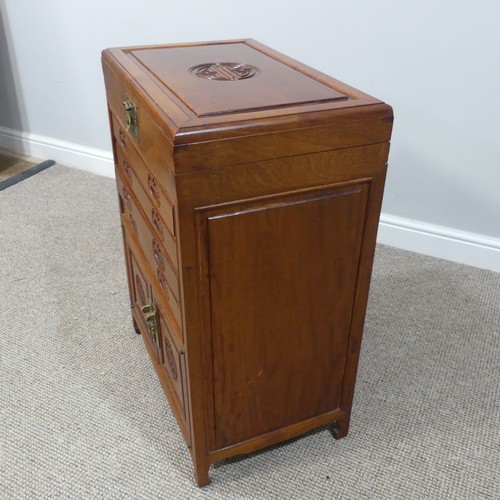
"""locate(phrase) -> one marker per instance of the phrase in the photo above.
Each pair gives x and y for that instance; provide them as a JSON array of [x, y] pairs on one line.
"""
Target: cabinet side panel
[[282, 277]]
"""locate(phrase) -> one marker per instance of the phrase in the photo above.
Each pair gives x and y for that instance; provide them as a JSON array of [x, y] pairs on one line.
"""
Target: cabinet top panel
[[220, 87], [227, 78]]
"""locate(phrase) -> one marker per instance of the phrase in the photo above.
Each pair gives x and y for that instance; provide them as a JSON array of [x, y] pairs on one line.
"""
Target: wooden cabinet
[[250, 189]]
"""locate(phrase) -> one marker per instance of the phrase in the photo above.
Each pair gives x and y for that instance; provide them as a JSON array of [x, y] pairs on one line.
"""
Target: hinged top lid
[[232, 78], [207, 90]]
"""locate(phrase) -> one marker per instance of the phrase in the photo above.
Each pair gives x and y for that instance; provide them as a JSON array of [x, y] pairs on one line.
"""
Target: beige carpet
[[83, 415]]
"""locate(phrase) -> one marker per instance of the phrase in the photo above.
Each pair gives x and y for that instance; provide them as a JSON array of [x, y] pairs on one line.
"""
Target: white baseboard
[[438, 241], [93, 160]]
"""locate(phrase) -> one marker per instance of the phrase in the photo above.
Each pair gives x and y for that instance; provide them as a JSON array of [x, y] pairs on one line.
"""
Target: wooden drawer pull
[[132, 221], [123, 139], [128, 171], [126, 196], [162, 280], [158, 254], [153, 189], [157, 224]]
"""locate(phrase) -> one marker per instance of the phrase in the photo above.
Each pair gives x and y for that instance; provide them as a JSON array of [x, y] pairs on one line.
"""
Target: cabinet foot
[[201, 474], [136, 327], [340, 429]]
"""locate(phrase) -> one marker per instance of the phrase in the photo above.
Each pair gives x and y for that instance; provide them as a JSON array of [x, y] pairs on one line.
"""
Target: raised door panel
[[281, 274]]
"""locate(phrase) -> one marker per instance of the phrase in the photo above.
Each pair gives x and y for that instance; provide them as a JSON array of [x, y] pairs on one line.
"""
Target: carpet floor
[[83, 414]]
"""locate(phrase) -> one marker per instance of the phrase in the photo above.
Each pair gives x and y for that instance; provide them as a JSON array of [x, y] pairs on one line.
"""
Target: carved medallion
[[169, 353], [158, 254], [153, 189], [155, 218], [140, 290], [225, 71], [162, 280]]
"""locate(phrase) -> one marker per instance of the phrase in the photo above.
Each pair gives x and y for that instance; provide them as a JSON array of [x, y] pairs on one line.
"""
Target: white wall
[[435, 62]]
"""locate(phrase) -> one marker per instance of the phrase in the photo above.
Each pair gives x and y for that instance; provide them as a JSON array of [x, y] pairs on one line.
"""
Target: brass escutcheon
[[131, 119], [149, 311]]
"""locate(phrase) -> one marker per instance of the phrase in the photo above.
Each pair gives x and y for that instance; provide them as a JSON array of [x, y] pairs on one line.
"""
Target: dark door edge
[[21, 176]]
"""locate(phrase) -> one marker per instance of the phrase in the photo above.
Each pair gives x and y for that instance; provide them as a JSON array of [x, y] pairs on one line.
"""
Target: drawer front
[[174, 364], [159, 331], [143, 306], [166, 256], [150, 141], [133, 167], [154, 253]]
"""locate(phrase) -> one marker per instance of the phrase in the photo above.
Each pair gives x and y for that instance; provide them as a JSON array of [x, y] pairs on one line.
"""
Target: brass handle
[[149, 312], [131, 118], [147, 308]]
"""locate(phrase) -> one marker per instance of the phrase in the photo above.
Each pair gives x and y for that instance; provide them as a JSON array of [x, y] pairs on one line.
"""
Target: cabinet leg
[[136, 327], [201, 473], [340, 429]]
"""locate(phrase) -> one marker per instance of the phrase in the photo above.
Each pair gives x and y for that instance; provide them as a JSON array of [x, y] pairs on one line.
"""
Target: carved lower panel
[[170, 358]]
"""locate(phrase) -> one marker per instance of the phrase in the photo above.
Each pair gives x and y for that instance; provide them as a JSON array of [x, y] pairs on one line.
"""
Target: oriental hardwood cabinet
[[250, 188]]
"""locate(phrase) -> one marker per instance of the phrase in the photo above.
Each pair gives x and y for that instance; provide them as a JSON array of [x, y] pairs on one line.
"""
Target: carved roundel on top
[[225, 71]]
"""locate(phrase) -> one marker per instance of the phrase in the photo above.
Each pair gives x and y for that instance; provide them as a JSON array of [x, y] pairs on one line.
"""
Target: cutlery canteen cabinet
[[250, 188]]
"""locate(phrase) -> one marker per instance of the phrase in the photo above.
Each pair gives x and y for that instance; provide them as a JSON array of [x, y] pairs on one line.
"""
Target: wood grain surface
[[250, 210]]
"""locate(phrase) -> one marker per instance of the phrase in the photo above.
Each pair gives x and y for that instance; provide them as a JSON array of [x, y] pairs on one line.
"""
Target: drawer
[[152, 199], [174, 363], [143, 305], [155, 255], [167, 248], [133, 166], [159, 332], [149, 140]]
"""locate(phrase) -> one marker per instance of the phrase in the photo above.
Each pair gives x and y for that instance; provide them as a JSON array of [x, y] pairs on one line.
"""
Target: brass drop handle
[[131, 118], [149, 312], [148, 308]]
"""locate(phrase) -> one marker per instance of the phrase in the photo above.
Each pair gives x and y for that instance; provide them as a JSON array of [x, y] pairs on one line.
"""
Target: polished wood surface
[[282, 279], [181, 125], [277, 85], [249, 206]]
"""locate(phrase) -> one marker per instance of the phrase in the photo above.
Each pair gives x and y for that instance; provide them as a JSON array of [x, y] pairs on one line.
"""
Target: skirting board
[[437, 241], [93, 160]]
